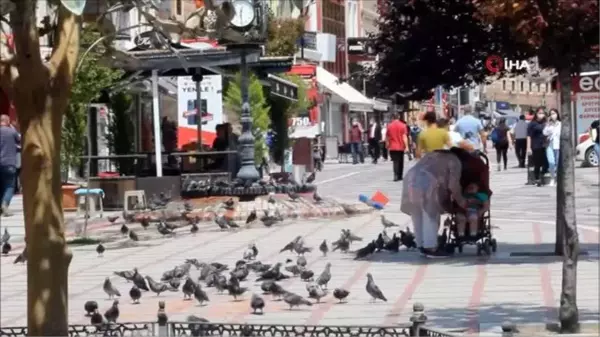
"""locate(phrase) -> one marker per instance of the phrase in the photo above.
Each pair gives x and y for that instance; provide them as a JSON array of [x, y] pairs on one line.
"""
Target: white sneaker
[[552, 183]]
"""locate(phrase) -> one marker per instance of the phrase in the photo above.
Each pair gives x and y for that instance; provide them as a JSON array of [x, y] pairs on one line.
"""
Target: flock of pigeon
[[230, 280]]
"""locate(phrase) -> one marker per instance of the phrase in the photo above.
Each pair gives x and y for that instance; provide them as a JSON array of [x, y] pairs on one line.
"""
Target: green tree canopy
[[283, 35], [91, 78], [258, 108]]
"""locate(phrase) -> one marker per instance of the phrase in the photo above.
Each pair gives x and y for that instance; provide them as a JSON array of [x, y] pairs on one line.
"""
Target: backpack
[[494, 136]]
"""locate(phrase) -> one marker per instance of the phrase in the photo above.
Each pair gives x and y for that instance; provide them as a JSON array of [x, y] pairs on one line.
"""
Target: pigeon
[[194, 228], [5, 236], [340, 294], [379, 243], [290, 246], [200, 295], [133, 236], [315, 292], [126, 274], [6, 248], [366, 250], [407, 239], [188, 288], [21, 258], [251, 252], [221, 222], [240, 273], [112, 219], [301, 249], [158, 287], [268, 221], [124, 229], [293, 268], [251, 217], [387, 223], [343, 245], [393, 245], [135, 293], [271, 200], [293, 196], [257, 303], [374, 290], [316, 197], [100, 250], [307, 275], [229, 203], [90, 307], [235, 290], [351, 237], [323, 248], [310, 178], [220, 283], [96, 318], [112, 314], [301, 261], [109, 289], [161, 315], [175, 283], [325, 276], [266, 286], [294, 300], [145, 222], [277, 290], [231, 223], [163, 229]]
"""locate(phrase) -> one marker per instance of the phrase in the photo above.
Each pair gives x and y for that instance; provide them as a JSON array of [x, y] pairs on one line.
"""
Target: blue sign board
[[502, 106]]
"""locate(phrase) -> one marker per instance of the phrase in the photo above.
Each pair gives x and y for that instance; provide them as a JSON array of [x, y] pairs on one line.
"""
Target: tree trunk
[[566, 222], [41, 94]]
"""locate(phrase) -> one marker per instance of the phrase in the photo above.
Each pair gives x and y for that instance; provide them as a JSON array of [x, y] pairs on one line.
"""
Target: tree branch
[[67, 46], [26, 40]]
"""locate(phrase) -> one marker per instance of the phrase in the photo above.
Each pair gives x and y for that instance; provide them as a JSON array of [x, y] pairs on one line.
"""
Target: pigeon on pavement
[[112, 314], [294, 300], [374, 290], [110, 290], [325, 276], [323, 248], [340, 294], [135, 293], [257, 303]]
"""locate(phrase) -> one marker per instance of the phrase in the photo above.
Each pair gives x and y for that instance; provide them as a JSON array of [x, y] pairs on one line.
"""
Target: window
[[504, 85], [513, 85], [522, 86], [538, 88], [530, 87], [178, 6]]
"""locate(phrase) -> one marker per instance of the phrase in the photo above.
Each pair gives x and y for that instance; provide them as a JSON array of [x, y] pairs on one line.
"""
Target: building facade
[[522, 93]]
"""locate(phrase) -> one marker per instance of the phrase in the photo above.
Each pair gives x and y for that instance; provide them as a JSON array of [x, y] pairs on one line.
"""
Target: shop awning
[[343, 92], [282, 87]]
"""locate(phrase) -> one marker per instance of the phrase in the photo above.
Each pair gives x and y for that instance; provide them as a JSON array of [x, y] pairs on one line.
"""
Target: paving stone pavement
[[464, 291]]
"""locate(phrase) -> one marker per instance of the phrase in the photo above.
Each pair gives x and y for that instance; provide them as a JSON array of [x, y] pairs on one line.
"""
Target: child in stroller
[[476, 216]]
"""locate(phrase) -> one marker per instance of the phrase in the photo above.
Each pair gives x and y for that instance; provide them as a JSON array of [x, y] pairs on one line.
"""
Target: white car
[[586, 154]]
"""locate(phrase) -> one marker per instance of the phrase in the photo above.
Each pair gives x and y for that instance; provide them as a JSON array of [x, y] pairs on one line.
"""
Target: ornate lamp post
[[250, 22]]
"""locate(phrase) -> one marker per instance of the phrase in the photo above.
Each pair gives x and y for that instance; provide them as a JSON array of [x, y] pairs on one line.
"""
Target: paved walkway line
[[239, 318], [391, 318], [545, 278], [476, 295], [339, 177]]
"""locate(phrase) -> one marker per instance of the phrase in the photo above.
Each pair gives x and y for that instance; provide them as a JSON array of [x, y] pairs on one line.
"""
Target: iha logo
[[495, 64]]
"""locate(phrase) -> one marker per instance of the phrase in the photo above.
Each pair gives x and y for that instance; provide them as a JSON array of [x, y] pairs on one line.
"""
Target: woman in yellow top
[[433, 137]]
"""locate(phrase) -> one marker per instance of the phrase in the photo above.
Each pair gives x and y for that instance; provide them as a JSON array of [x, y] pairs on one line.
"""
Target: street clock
[[244, 14]]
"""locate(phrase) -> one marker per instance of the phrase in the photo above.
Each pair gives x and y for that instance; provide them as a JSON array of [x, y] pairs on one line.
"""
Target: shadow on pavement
[[495, 314]]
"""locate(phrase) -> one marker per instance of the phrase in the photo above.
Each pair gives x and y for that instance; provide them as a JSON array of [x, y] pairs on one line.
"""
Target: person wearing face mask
[[356, 133], [552, 132], [536, 146]]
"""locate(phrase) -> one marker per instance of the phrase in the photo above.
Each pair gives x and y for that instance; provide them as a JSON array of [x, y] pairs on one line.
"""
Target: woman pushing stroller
[[435, 184]]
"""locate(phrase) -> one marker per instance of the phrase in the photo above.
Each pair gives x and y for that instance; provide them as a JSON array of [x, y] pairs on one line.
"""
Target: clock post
[[250, 22]]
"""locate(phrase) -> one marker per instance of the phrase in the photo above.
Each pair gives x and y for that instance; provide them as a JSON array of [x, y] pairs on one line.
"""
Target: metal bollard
[[509, 329], [418, 319], [162, 317]]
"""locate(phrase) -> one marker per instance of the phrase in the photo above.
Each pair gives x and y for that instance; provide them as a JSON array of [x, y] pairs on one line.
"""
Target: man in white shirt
[[384, 152], [374, 137]]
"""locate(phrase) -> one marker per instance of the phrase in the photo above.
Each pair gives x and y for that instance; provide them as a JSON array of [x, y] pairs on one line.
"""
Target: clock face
[[244, 13]]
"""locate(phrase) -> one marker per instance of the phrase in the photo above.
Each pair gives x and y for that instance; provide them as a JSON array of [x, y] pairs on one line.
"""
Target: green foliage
[[282, 109], [121, 130], [258, 108], [89, 81], [283, 35], [425, 43]]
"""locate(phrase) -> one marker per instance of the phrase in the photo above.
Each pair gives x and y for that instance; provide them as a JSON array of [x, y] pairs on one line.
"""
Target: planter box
[[69, 201]]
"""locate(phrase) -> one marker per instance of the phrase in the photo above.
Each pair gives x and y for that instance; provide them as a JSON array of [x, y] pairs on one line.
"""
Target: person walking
[[9, 143], [396, 143], [373, 139], [471, 129], [433, 137], [519, 140], [501, 140], [356, 133], [552, 133], [536, 146], [384, 150], [415, 130]]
